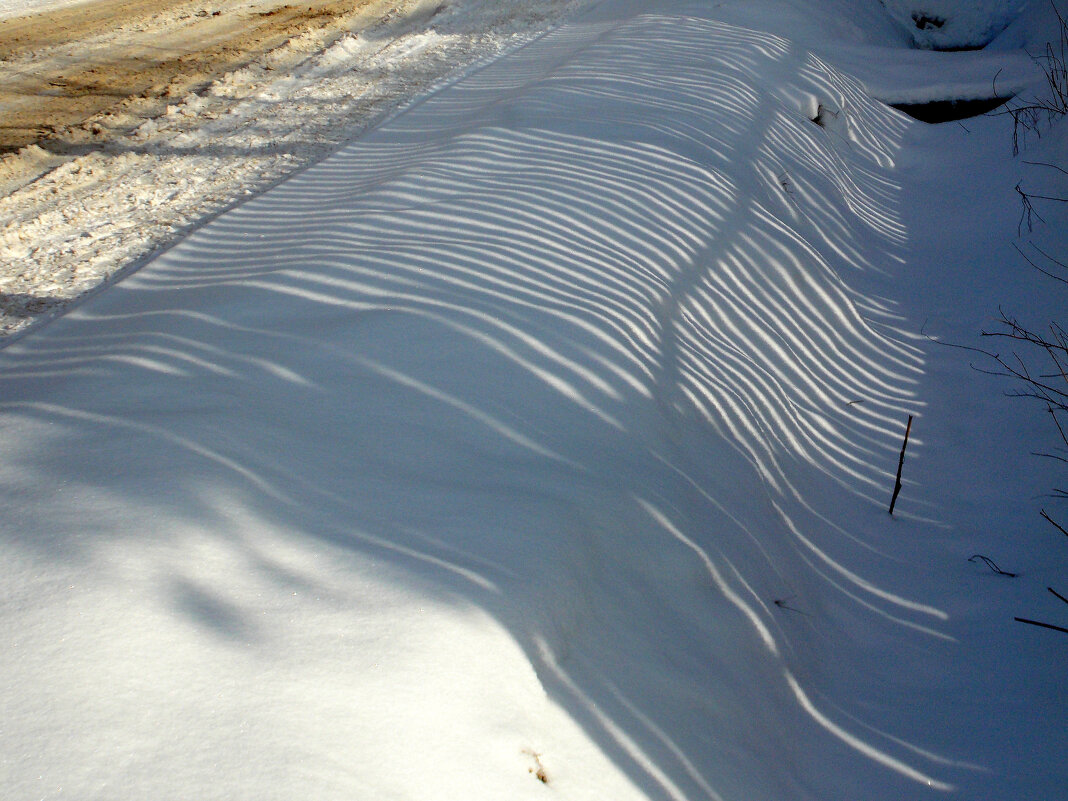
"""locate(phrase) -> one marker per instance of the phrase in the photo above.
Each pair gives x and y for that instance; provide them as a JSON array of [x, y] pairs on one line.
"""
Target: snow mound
[[954, 24], [538, 440]]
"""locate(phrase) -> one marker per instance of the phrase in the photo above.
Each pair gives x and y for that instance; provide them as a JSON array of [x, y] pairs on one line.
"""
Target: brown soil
[[104, 66]]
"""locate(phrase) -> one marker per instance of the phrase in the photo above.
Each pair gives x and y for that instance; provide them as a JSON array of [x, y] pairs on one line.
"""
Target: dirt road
[[124, 125], [80, 73]]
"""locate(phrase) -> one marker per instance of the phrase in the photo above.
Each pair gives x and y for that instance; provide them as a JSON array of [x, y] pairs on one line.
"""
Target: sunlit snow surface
[[547, 429]]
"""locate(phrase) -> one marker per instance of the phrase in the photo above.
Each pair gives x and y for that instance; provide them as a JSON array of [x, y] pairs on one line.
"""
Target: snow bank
[[955, 24], [537, 441], [1033, 29]]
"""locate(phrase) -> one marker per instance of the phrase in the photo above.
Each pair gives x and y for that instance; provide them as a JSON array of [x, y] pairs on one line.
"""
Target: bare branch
[[1027, 214], [1057, 423], [1042, 197], [1043, 625], [991, 564], [1045, 164], [1054, 523], [1040, 269], [1040, 250], [1057, 594]]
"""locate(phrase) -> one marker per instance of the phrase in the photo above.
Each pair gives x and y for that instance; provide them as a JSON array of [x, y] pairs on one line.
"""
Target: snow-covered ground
[[75, 216], [10, 8], [538, 443], [948, 24]]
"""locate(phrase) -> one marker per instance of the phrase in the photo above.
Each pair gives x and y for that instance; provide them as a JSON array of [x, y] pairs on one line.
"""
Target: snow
[[12, 8], [139, 193], [945, 24], [548, 426]]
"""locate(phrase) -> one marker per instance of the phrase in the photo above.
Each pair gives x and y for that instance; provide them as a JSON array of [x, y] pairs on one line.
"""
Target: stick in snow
[[992, 565], [1043, 625], [900, 464]]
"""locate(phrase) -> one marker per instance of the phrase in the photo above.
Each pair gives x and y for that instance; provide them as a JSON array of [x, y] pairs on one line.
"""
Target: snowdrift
[[538, 441]]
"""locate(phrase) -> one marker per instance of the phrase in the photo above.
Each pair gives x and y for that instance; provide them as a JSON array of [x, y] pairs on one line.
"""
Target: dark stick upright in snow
[[900, 464]]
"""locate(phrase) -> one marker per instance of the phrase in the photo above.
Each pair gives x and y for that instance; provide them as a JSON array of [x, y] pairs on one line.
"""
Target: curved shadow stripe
[[576, 341]]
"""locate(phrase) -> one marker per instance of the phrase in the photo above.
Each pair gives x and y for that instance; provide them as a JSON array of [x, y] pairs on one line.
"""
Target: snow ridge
[[536, 440]]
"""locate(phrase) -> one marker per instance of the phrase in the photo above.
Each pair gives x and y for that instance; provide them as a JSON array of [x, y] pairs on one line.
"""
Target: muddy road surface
[[74, 75]]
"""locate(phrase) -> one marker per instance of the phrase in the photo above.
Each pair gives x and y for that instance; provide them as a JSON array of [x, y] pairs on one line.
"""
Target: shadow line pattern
[[600, 299]]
